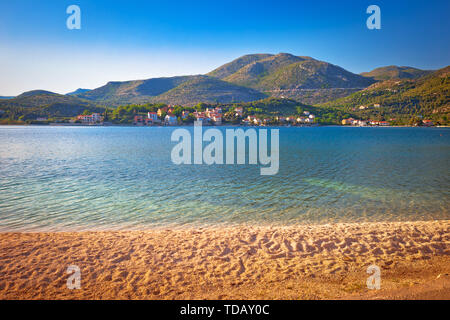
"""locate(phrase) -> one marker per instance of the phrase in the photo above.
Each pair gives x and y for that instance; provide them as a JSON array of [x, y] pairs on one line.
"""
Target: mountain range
[[247, 78], [254, 77], [394, 72]]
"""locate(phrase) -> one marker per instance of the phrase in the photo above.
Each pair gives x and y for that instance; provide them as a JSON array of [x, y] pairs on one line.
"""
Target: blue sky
[[127, 40]]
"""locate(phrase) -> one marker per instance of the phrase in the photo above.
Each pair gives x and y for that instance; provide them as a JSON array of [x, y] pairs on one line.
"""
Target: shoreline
[[240, 262], [226, 125]]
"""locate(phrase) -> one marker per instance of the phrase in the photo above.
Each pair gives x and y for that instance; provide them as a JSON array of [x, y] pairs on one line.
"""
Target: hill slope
[[284, 75], [229, 68], [286, 71], [135, 91], [39, 98], [395, 72], [208, 89], [78, 91], [250, 77], [427, 97], [252, 73], [40, 103]]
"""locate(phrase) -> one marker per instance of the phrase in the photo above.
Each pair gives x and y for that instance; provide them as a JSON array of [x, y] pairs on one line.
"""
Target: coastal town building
[[201, 117], [239, 111], [151, 119], [161, 111], [216, 118], [363, 123], [167, 109], [348, 121], [254, 120], [210, 112], [184, 114], [171, 119], [153, 116], [139, 120], [91, 118], [210, 115], [199, 114]]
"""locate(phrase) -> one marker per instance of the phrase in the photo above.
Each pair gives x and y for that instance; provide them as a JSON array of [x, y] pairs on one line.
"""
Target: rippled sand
[[296, 262]]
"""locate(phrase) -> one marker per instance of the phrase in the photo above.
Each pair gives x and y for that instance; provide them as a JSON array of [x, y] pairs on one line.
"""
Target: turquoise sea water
[[122, 178]]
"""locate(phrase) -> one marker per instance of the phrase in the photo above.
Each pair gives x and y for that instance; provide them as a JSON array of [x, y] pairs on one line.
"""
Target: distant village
[[211, 116], [165, 116], [375, 123], [364, 123]]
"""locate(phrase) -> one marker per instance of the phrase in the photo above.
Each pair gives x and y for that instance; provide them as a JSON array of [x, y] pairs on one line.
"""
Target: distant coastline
[[390, 96], [223, 125]]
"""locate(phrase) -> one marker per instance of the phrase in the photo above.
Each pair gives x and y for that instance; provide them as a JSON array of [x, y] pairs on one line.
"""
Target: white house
[[238, 111], [254, 120], [362, 123], [152, 116], [216, 118], [171, 119], [93, 118]]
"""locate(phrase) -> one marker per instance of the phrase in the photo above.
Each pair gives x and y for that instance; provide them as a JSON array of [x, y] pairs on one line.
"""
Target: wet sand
[[241, 262]]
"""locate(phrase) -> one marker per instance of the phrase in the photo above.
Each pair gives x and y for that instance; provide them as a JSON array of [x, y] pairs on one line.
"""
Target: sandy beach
[[241, 262]]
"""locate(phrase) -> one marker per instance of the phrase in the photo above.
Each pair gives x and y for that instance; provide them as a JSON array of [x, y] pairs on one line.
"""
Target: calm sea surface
[[122, 178]]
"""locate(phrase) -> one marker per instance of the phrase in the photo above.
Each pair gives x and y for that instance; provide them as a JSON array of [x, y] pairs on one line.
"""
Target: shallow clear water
[[109, 178]]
